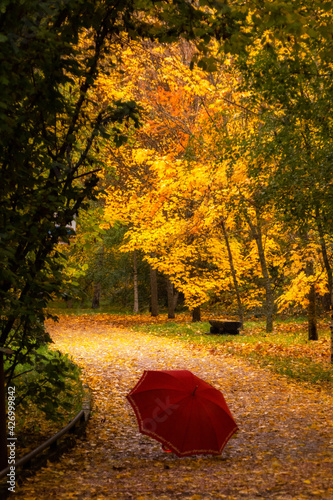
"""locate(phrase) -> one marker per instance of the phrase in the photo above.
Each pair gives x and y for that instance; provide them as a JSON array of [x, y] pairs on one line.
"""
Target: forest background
[[224, 193], [192, 145]]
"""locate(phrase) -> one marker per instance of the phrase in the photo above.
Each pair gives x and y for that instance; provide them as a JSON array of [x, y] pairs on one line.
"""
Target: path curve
[[284, 449]]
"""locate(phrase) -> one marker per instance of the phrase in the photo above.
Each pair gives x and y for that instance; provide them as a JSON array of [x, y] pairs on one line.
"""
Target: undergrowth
[[285, 351], [48, 395]]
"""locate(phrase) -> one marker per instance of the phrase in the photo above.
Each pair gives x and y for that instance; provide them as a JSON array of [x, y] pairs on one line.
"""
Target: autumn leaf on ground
[[284, 441]]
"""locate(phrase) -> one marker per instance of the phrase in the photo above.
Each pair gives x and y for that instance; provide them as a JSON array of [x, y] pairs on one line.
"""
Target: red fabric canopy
[[183, 412]]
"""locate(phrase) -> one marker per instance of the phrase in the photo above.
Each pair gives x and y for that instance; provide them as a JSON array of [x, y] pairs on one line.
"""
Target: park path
[[284, 449]]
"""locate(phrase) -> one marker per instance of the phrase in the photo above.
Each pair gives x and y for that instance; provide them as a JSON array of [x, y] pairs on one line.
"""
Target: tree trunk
[[268, 286], [331, 328], [233, 272], [269, 306], [172, 299], [196, 314], [329, 277], [96, 296], [97, 283], [326, 261], [312, 313], [135, 284], [153, 291]]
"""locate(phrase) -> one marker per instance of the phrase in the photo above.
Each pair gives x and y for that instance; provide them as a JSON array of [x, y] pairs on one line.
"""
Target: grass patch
[[61, 309], [304, 369], [286, 351]]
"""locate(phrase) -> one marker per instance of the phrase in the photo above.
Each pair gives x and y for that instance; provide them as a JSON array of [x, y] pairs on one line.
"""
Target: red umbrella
[[183, 412]]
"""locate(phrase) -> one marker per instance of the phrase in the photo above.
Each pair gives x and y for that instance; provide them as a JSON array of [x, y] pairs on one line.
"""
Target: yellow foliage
[[185, 172]]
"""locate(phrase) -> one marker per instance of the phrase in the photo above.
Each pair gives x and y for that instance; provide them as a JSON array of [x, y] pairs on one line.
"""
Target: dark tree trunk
[[172, 299], [269, 306], [331, 328], [312, 313], [267, 281], [329, 277], [196, 314], [135, 284], [96, 296], [153, 291], [233, 272], [97, 284]]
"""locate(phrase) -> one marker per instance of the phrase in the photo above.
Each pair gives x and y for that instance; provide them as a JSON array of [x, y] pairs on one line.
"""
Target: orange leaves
[[300, 352], [87, 322], [187, 170], [172, 206]]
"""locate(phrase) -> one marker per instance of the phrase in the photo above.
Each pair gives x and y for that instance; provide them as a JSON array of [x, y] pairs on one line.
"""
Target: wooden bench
[[224, 327]]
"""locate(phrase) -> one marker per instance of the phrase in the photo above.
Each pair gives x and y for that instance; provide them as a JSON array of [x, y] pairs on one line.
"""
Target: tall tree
[[287, 68]]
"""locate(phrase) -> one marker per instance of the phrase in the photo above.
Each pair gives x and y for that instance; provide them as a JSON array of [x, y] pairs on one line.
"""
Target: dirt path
[[284, 449]]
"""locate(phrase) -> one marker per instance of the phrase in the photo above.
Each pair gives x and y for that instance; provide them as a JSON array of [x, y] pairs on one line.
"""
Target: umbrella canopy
[[183, 412]]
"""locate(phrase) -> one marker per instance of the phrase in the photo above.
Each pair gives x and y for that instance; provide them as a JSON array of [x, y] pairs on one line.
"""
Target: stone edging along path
[[284, 449]]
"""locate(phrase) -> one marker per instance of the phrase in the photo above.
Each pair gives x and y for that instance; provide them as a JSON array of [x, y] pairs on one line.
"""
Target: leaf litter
[[283, 450]]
